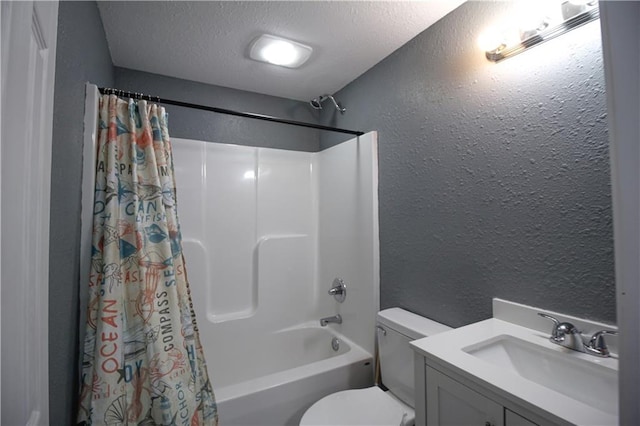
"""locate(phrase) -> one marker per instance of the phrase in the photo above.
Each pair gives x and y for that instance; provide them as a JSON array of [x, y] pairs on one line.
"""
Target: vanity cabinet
[[514, 419], [505, 371], [449, 402], [452, 403]]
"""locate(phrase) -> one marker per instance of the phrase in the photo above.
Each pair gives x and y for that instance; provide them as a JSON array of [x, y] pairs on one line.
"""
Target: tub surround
[[265, 233]]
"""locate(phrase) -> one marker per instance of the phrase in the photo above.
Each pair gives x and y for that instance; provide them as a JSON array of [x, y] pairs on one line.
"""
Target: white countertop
[[445, 351]]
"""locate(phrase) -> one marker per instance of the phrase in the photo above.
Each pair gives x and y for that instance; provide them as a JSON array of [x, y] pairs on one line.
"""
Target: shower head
[[316, 103]]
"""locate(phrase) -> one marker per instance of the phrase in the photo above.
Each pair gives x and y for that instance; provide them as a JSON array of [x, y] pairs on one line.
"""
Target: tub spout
[[336, 318]]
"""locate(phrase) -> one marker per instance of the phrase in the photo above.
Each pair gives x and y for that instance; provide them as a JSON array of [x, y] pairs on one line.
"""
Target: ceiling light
[[279, 51]]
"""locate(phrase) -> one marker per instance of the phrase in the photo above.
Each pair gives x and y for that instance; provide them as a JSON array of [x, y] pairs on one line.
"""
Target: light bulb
[[532, 28], [573, 8], [279, 52], [490, 40]]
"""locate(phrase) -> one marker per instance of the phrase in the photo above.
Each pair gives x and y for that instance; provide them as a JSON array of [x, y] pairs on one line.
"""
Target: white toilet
[[373, 406]]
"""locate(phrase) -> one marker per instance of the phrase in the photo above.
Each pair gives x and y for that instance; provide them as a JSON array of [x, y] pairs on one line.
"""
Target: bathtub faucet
[[336, 318]]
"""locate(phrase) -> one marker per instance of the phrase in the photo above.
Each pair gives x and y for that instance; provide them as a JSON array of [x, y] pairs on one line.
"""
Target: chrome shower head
[[316, 103]]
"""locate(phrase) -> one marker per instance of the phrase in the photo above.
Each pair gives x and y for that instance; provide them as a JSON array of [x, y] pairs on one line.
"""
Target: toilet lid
[[370, 406]]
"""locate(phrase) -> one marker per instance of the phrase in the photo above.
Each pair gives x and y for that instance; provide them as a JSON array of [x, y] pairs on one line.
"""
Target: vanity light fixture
[[279, 51], [506, 43]]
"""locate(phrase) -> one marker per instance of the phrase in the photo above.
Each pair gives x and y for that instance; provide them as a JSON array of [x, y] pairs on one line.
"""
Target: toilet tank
[[396, 328]]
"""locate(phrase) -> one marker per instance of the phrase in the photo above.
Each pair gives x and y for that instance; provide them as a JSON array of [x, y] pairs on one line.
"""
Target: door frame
[[620, 23]]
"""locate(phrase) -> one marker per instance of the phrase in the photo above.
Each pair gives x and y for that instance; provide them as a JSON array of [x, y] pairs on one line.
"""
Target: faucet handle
[[552, 318], [339, 290], [597, 345], [560, 329], [556, 323]]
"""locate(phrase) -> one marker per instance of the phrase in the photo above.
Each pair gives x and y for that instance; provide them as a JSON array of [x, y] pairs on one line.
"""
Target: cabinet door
[[513, 419], [451, 403]]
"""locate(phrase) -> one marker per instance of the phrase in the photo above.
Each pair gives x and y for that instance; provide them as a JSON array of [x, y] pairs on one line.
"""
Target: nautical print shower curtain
[[142, 360]]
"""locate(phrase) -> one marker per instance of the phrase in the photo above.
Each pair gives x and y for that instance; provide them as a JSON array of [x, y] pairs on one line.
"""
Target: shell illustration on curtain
[[142, 359]]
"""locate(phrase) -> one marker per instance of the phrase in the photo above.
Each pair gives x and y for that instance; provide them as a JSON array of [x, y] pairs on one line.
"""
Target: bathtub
[[272, 379]]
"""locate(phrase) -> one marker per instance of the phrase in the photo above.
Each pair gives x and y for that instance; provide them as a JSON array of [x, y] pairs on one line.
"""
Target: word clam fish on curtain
[[143, 363]]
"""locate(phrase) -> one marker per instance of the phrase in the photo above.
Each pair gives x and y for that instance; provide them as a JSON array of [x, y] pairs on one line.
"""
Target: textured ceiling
[[207, 41]]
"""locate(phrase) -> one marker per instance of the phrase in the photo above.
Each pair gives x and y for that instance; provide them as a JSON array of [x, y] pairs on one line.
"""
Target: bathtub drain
[[335, 343]]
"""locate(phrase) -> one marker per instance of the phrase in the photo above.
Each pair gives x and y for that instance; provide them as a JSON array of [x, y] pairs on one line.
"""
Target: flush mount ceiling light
[[499, 45], [279, 51]]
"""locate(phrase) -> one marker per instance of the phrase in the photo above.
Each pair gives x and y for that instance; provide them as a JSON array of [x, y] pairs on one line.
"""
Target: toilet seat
[[370, 406]]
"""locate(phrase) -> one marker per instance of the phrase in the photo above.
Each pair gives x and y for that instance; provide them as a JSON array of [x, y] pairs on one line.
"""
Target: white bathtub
[[273, 379]]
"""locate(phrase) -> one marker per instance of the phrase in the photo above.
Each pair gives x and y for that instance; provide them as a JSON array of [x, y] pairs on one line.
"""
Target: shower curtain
[[142, 359]]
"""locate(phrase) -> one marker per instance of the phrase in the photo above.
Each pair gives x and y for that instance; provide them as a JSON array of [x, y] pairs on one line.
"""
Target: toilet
[[373, 406]]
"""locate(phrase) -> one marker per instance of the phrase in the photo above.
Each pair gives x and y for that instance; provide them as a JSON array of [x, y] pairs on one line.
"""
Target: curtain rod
[[135, 95]]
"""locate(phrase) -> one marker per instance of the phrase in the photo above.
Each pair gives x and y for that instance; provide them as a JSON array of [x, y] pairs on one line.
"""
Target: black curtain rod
[[135, 95]]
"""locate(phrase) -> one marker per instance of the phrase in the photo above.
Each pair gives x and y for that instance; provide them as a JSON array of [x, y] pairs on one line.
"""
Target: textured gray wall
[[82, 55], [494, 178], [208, 126]]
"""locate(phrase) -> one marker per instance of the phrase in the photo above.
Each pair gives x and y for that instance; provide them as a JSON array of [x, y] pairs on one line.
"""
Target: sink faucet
[[597, 346], [336, 318], [565, 334]]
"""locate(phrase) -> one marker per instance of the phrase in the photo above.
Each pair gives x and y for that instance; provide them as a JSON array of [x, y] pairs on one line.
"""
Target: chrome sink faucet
[[336, 319], [567, 335]]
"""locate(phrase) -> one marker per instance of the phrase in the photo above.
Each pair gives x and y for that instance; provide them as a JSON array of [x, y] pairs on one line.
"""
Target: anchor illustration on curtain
[[142, 360]]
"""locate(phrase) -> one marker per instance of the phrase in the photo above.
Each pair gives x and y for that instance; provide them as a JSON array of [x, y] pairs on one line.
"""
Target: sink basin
[[560, 370]]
